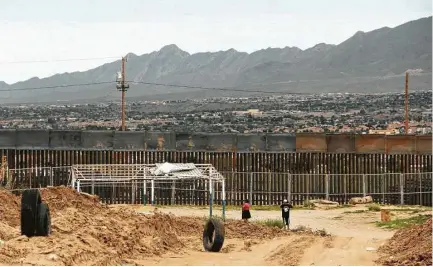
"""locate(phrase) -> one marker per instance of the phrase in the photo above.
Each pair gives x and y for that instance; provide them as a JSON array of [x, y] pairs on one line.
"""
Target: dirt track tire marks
[[43, 225], [30, 199], [213, 235]]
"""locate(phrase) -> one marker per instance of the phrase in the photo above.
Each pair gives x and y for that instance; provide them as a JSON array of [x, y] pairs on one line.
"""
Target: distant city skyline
[[53, 30]]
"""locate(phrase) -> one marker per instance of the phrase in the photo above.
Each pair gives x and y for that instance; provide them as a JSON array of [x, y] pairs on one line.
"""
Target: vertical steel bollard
[[251, 188], [289, 187], [383, 187], [73, 179], [51, 177], [210, 193], [144, 197], [420, 190], [224, 199], [210, 198], [401, 189], [93, 184], [173, 192], [152, 193], [326, 186]]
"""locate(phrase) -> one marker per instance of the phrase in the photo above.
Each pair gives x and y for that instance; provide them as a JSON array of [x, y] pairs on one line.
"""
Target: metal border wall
[[222, 142], [293, 162], [262, 188]]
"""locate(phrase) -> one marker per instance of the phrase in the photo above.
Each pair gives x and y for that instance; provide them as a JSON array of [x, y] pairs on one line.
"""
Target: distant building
[[254, 112], [387, 131]]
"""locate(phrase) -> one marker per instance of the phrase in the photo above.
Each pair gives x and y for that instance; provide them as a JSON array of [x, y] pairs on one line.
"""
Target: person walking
[[285, 212], [246, 210]]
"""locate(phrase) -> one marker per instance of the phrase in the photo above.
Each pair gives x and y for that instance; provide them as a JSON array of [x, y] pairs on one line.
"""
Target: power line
[[55, 60], [215, 88], [234, 89], [52, 87]]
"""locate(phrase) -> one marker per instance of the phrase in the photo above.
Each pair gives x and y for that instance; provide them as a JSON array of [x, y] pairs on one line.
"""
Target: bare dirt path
[[337, 222], [236, 255], [354, 240], [342, 251]]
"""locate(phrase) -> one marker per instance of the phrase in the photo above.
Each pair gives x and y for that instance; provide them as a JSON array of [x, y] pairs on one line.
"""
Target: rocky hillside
[[367, 62]]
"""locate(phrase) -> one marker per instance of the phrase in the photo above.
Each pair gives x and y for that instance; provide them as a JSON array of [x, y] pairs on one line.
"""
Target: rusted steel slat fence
[[292, 162], [266, 173], [261, 188]]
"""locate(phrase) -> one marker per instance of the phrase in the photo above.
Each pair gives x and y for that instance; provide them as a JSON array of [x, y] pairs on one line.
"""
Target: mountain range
[[368, 62]]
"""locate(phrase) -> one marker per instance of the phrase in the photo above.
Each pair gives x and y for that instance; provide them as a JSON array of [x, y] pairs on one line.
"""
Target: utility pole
[[406, 104], [122, 86]]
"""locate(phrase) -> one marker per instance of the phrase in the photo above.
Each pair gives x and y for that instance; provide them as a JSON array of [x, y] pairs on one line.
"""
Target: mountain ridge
[[367, 61]]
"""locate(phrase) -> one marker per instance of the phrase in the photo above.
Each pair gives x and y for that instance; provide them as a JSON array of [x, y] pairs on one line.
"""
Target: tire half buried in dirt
[[213, 235], [43, 221], [30, 199]]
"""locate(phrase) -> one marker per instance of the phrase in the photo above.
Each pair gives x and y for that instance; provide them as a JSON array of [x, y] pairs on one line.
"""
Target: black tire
[[43, 222], [213, 235], [27, 222], [30, 199]]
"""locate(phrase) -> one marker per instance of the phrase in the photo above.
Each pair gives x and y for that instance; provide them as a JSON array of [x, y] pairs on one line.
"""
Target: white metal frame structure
[[92, 175]]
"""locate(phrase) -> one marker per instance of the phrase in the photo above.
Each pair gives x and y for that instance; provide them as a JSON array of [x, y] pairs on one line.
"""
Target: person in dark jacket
[[246, 210], [285, 212]]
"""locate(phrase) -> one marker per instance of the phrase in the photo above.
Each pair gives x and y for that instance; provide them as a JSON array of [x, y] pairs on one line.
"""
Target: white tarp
[[181, 169]]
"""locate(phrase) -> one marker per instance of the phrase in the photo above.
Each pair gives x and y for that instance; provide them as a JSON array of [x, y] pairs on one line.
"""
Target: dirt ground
[[354, 239], [409, 246], [86, 232]]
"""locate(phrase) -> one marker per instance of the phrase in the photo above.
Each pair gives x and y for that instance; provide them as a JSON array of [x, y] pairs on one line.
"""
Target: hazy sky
[[54, 30]]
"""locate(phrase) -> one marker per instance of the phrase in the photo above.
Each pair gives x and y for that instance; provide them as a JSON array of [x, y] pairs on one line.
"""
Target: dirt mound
[[7, 232], [10, 206], [85, 232], [102, 238], [409, 246], [241, 229], [60, 198]]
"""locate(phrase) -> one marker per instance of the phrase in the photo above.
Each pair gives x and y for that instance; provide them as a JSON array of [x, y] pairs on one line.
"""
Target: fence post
[[327, 186], [251, 188], [93, 184], [73, 179], [364, 185], [289, 187], [173, 192], [144, 196], [51, 176], [152, 192], [401, 189], [420, 190], [224, 198], [383, 187], [133, 188], [113, 195], [144, 193], [210, 195]]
